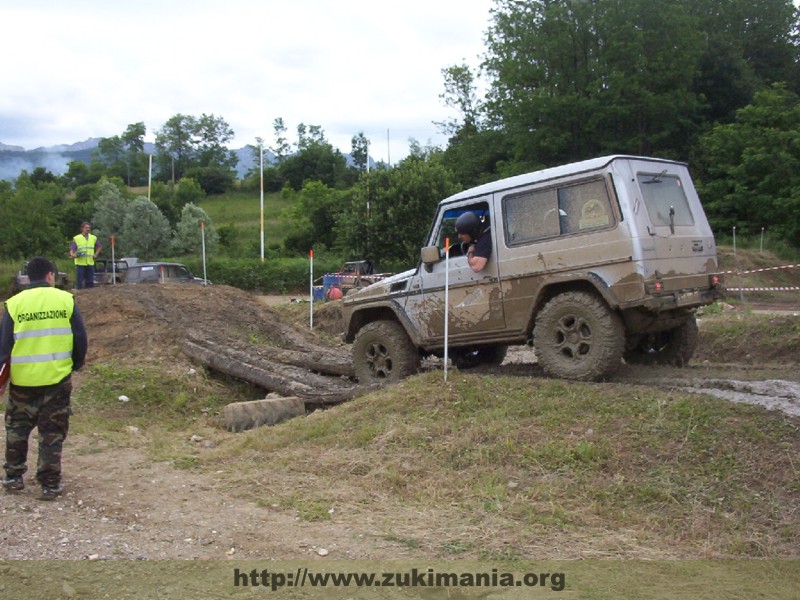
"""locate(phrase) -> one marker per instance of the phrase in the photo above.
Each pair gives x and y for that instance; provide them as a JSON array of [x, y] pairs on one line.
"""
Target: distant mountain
[[6, 147], [56, 159], [89, 144]]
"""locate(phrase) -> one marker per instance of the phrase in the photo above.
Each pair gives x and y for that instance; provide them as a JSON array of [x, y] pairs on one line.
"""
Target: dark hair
[[39, 267], [85, 223]]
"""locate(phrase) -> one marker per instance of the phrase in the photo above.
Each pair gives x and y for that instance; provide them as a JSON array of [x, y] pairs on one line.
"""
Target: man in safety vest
[[43, 334], [84, 248]]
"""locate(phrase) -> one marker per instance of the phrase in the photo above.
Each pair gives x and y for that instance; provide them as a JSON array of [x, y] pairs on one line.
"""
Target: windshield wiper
[[656, 178]]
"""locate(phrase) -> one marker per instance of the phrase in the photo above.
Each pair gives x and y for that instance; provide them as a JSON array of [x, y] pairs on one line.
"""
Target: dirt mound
[[131, 320], [222, 327]]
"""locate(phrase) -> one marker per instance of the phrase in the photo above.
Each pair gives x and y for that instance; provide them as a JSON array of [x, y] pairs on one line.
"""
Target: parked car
[[107, 271], [161, 272], [591, 262]]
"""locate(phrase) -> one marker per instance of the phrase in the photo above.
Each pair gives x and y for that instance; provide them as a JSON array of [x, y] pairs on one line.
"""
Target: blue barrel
[[318, 293]]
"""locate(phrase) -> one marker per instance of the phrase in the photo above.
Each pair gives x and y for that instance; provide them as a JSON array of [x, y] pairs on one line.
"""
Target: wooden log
[[314, 358], [286, 380], [240, 416]]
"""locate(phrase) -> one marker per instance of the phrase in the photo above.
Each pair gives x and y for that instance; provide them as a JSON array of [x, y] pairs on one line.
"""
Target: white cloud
[[88, 68]]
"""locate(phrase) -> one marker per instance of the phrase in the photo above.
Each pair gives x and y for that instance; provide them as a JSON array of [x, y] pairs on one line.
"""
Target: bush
[[274, 275]]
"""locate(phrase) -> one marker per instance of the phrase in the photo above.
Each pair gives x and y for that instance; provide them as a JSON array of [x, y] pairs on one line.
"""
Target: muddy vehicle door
[[476, 307]]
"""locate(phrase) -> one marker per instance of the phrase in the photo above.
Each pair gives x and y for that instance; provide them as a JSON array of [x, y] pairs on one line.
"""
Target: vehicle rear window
[[665, 199], [541, 214]]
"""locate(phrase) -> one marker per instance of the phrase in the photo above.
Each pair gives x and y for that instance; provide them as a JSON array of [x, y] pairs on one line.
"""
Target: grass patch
[[153, 397], [543, 455], [749, 338]]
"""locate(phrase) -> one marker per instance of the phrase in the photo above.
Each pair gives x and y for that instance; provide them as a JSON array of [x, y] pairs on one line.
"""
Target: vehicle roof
[[575, 168]]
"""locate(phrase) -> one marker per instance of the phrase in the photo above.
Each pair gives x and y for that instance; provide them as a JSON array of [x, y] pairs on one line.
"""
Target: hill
[[502, 462]]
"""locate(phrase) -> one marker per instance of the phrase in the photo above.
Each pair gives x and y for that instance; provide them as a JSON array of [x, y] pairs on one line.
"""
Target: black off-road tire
[[383, 353], [491, 356], [674, 347], [577, 336]]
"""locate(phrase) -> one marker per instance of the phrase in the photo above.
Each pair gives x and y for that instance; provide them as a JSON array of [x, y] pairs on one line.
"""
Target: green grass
[[244, 209], [549, 456], [175, 399]]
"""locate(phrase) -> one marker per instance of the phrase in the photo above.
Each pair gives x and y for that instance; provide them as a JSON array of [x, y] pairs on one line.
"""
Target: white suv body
[[591, 261]]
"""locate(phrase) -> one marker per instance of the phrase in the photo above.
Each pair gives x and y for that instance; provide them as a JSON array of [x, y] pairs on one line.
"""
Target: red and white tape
[[763, 289], [736, 272]]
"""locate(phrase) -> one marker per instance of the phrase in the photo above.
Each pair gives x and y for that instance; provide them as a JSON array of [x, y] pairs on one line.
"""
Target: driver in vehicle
[[476, 240]]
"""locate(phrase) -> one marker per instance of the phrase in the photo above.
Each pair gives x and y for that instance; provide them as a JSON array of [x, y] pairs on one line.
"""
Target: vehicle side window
[[146, 275], [447, 226], [663, 194], [540, 214]]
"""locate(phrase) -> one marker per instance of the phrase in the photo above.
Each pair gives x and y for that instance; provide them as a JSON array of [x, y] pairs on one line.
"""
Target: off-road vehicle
[[161, 272], [591, 262], [20, 281]]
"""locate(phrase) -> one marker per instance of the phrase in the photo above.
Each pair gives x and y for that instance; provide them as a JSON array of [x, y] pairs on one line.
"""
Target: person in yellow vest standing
[[43, 334], [84, 248]]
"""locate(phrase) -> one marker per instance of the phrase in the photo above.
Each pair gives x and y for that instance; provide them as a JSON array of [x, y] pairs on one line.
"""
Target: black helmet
[[470, 224]]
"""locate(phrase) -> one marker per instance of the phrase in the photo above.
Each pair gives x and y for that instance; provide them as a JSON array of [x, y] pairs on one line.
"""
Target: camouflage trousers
[[46, 408]]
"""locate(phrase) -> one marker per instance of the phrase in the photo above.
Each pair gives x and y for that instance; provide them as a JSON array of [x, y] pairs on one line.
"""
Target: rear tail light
[[655, 287]]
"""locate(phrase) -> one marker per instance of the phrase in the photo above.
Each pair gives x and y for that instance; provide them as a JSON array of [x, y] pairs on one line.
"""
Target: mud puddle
[[773, 394]]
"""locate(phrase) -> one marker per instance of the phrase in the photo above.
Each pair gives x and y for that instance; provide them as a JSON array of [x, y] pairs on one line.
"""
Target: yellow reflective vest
[[42, 352], [85, 249]]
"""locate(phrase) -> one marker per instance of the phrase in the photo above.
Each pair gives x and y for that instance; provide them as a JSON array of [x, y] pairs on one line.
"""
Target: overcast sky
[[89, 68]]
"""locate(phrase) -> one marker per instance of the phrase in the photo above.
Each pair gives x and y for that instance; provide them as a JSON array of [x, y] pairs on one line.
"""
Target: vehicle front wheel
[[674, 347], [577, 336], [383, 352]]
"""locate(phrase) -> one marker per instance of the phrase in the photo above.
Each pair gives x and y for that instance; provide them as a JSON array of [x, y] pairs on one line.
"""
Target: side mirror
[[430, 255]]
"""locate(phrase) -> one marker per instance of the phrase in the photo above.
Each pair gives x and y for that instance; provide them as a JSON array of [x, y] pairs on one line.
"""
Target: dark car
[[161, 272]]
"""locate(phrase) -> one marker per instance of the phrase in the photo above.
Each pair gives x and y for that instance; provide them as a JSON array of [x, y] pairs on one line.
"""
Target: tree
[[389, 211], [313, 213], [574, 79], [77, 174], [460, 93], [188, 237], [195, 147], [282, 148], [30, 225], [174, 149], [123, 156], [315, 160], [145, 230], [359, 151], [210, 134], [110, 209], [570, 79], [749, 171]]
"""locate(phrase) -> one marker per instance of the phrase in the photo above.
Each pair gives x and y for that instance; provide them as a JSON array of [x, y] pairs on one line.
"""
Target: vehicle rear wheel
[[383, 352], [577, 336], [674, 347], [467, 359]]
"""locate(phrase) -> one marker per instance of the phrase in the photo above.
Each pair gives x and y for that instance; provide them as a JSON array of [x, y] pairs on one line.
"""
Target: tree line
[[711, 82]]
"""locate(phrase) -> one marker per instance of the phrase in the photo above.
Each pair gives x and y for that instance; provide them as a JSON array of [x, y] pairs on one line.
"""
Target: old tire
[[674, 347], [491, 356], [383, 352], [577, 336]]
